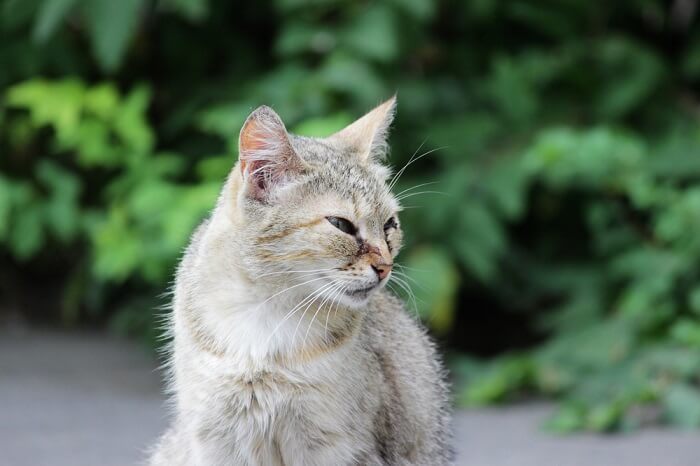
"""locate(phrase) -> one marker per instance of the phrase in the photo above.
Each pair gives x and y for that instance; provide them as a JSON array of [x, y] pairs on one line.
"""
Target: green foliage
[[561, 183], [136, 222], [436, 279]]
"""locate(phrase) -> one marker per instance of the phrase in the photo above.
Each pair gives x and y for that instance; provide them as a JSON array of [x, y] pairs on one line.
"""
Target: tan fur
[[280, 354]]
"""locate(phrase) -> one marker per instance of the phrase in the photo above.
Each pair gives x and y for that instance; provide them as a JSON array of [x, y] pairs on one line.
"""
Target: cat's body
[[274, 362]]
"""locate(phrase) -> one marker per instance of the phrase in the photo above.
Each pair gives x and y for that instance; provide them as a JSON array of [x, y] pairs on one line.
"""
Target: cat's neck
[[259, 322], [278, 332]]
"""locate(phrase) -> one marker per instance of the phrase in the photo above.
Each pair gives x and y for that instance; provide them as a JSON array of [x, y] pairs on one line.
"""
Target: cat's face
[[320, 216]]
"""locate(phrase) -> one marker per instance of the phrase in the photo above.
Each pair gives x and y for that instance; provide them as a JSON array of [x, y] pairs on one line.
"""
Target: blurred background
[[553, 234]]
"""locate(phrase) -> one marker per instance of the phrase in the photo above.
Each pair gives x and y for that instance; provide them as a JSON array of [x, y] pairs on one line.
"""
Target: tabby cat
[[287, 349]]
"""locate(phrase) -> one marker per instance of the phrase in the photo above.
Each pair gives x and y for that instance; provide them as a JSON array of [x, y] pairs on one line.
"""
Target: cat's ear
[[266, 154], [367, 136]]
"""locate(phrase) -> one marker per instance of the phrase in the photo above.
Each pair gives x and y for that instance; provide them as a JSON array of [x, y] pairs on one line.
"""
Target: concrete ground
[[89, 399]]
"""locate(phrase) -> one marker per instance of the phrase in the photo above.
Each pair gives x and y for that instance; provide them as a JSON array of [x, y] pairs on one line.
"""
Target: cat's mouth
[[361, 292]]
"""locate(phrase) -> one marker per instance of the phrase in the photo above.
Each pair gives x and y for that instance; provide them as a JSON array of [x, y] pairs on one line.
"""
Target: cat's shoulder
[[388, 315]]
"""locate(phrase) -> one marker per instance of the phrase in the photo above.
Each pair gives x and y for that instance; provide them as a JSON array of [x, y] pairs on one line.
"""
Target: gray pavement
[[92, 399]]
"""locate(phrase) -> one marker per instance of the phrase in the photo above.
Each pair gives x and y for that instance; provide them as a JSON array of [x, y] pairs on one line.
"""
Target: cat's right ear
[[266, 154]]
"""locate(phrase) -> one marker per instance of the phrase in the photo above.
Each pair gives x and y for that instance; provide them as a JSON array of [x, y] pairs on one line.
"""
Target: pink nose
[[382, 270]]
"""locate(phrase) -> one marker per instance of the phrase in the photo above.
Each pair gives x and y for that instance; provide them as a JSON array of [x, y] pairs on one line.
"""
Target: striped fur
[[278, 356]]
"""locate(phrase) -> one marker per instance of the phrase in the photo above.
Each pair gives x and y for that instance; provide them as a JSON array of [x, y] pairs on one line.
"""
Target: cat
[[287, 349]]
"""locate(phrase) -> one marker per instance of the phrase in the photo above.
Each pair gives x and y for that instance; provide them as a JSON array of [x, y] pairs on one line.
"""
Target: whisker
[[396, 264], [295, 271], [408, 277], [393, 179], [330, 293], [335, 302], [396, 293], [406, 287], [289, 288], [406, 196], [318, 295], [295, 309], [416, 187], [410, 162]]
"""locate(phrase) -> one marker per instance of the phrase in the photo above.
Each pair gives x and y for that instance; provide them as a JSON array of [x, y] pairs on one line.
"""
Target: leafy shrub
[[560, 183]]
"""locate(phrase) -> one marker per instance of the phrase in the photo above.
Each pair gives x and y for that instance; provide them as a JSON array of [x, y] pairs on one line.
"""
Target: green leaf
[[354, 76], [117, 248], [130, 122], [595, 158], [623, 57], [111, 25], [373, 34], [194, 10], [215, 168], [420, 9], [15, 14], [27, 235], [498, 381], [54, 103], [605, 416], [61, 210], [694, 299], [511, 90], [323, 126], [568, 418], [50, 15], [5, 207], [478, 240], [687, 332], [300, 37], [682, 405], [102, 100], [432, 275]]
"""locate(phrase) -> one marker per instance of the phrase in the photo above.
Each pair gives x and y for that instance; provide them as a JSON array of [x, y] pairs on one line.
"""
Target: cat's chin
[[358, 298]]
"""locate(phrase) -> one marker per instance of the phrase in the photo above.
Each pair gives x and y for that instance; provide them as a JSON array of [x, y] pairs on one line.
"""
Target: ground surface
[[87, 399]]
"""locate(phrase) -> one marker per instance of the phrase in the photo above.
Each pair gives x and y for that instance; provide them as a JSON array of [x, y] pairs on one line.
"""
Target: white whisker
[[398, 174], [337, 304], [396, 264], [328, 314], [295, 309], [330, 292], [290, 288], [407, 288], [406, 196], [415, 310], [408, 277], [416, 187], [295, 271], [308, 306], [409, 163]]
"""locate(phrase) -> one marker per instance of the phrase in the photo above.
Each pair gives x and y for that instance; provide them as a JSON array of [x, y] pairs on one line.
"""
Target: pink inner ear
[[266, 156], [251, 142]]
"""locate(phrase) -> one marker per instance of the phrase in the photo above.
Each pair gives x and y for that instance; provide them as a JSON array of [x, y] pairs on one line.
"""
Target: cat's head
[[317, 214]]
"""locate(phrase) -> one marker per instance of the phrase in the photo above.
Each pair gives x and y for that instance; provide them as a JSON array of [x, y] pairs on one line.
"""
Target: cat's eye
[[391, 223], [343, 225]]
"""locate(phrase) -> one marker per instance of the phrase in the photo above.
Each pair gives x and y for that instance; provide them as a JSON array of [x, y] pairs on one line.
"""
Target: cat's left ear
[[367, 136]]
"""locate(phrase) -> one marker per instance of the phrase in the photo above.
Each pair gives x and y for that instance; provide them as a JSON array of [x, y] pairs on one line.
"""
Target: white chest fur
[[269, 414]]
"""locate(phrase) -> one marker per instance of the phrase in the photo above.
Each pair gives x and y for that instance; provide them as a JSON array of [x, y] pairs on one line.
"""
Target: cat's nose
[[382, 270]]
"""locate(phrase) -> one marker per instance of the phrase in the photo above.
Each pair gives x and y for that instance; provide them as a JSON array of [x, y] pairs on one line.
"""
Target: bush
[[561, 181]]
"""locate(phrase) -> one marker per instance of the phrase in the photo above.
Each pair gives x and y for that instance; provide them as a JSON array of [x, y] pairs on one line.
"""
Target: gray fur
[[278, 358]]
